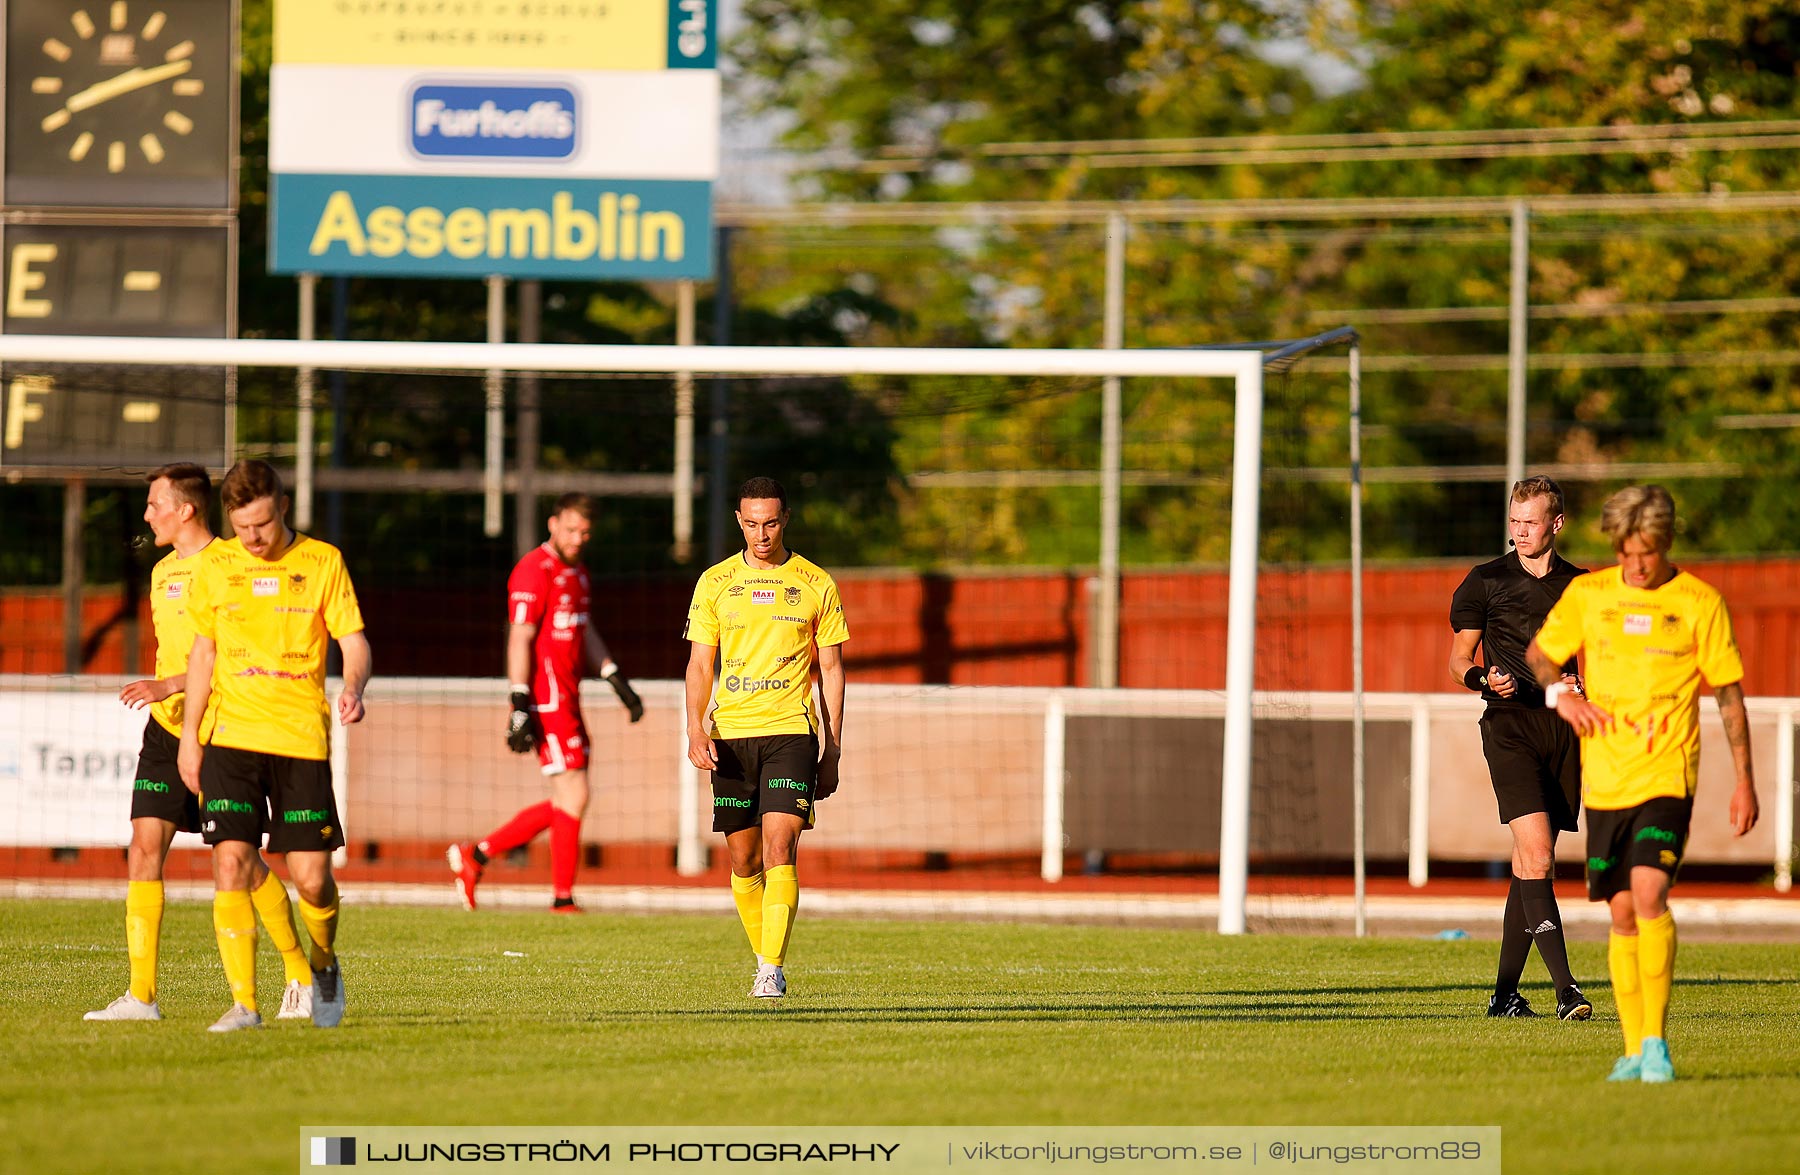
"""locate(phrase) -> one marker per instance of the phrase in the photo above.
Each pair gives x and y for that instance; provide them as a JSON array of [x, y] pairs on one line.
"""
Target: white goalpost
[[1245, 367]]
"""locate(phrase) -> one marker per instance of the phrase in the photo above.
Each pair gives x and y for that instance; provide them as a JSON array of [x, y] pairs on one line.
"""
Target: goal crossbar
[[353, 355]]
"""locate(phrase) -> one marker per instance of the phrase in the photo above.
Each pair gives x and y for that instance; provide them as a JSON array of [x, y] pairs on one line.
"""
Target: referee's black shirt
[[1508, 604]]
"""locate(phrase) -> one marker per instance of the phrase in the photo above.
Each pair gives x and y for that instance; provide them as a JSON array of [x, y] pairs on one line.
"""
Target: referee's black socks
[[1515, 942], [1544, 920]]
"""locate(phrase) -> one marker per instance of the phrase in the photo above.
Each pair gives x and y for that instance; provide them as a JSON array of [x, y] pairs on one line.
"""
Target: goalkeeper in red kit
[[549, 642]]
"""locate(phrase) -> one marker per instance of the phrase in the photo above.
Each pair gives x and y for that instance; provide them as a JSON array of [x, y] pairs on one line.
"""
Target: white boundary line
[[1469, 913]]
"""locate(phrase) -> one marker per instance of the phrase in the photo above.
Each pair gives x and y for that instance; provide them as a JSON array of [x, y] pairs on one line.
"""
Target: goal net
[[955, 495]]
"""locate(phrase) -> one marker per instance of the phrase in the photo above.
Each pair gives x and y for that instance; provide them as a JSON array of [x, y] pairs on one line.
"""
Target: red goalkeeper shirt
[[545, 591]]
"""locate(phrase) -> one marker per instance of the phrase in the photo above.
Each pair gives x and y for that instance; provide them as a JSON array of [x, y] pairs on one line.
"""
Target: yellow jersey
[[270, 620], [1648, 652], [171, 590], [765, 624]]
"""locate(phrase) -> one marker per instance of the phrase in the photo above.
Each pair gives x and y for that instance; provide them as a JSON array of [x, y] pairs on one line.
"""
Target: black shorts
[[157, 790], [244, 792], [768, 773], [1653, 834], [1534, 760]]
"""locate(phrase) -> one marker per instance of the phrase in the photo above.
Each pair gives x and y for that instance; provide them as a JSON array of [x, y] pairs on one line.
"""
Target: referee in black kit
[[1532, 755]]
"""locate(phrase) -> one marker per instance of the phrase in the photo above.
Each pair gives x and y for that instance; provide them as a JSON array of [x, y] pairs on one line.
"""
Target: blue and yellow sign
[[567, 229], [571, 140]]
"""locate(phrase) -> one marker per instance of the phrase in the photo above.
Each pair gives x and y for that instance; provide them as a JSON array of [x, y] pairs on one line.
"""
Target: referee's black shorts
[[1534, 759]]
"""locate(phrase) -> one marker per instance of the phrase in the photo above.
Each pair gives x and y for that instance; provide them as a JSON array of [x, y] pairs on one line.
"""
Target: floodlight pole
[[1517, 355], [494, 383], [1106, 635], [1240, 644], [304, 422], [683, 487], [1358, 762], [528, 424]]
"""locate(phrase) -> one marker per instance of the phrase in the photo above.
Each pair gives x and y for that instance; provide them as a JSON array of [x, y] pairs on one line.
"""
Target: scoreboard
[[114, 279], [118, 200], [100, 279]]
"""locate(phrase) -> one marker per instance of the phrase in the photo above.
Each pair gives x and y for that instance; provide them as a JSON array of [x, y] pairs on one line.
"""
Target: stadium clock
[[120, 103]]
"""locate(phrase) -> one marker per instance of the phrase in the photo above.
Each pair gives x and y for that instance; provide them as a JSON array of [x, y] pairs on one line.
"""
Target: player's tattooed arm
[[1744, 805]]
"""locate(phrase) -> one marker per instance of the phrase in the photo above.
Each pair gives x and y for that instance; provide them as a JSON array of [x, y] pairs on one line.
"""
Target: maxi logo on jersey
[[493, 121]]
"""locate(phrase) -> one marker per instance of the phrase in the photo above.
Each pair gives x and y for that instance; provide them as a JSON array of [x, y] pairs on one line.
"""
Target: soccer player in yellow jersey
[[1650, 635], [160, 805], [764, 612], [262, 614]]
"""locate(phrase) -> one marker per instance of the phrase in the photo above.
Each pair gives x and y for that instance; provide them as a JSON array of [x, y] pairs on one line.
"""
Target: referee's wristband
[[1475, 678], [1554, 692]]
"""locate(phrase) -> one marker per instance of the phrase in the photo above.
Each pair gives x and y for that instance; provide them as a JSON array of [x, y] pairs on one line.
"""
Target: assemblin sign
[[561, 141], [546, 228]]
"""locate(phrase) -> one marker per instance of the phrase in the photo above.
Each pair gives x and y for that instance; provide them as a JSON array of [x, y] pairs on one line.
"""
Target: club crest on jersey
[[297, 582], [763, 596], [265, 585], [792, 596], [1671, 622]]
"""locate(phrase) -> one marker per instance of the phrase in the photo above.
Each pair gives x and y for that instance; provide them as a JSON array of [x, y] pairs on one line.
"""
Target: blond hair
[[1539, 487], [1647, 512]]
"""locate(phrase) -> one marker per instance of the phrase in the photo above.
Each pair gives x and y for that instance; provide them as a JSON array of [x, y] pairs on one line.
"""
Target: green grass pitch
[[645, 1020]]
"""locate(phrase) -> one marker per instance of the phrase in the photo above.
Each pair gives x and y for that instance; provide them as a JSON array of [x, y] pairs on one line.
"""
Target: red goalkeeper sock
[[565, 851], [517, 831]]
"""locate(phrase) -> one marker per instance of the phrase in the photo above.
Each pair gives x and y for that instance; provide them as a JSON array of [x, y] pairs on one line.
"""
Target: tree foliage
[[906, 101], [863, 85]]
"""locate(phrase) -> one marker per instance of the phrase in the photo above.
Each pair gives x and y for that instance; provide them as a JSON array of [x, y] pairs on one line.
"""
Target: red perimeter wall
[[1001, 628]]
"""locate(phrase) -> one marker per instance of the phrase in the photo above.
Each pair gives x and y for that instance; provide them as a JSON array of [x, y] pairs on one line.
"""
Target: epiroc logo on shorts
[[493, 121]]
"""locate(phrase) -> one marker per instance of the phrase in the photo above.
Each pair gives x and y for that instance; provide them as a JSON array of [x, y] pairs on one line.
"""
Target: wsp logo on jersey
[[493, 121]]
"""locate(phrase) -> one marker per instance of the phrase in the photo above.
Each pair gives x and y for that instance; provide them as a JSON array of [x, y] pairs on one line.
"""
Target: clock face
[[120, 103]]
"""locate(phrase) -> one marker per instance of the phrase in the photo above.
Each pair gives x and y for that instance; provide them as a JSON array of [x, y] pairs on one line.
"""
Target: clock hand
[[125, 83]]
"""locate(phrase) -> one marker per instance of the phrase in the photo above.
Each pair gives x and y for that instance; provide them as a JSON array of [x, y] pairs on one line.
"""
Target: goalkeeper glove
[[609, 673], [522, 723]]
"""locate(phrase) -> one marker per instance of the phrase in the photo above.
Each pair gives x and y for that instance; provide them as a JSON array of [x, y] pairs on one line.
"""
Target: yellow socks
[[1656, 969], [271, 898], [781, 899], [234, 924], [143, 934], [1628, 992], [747, 892], [321, 927]]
